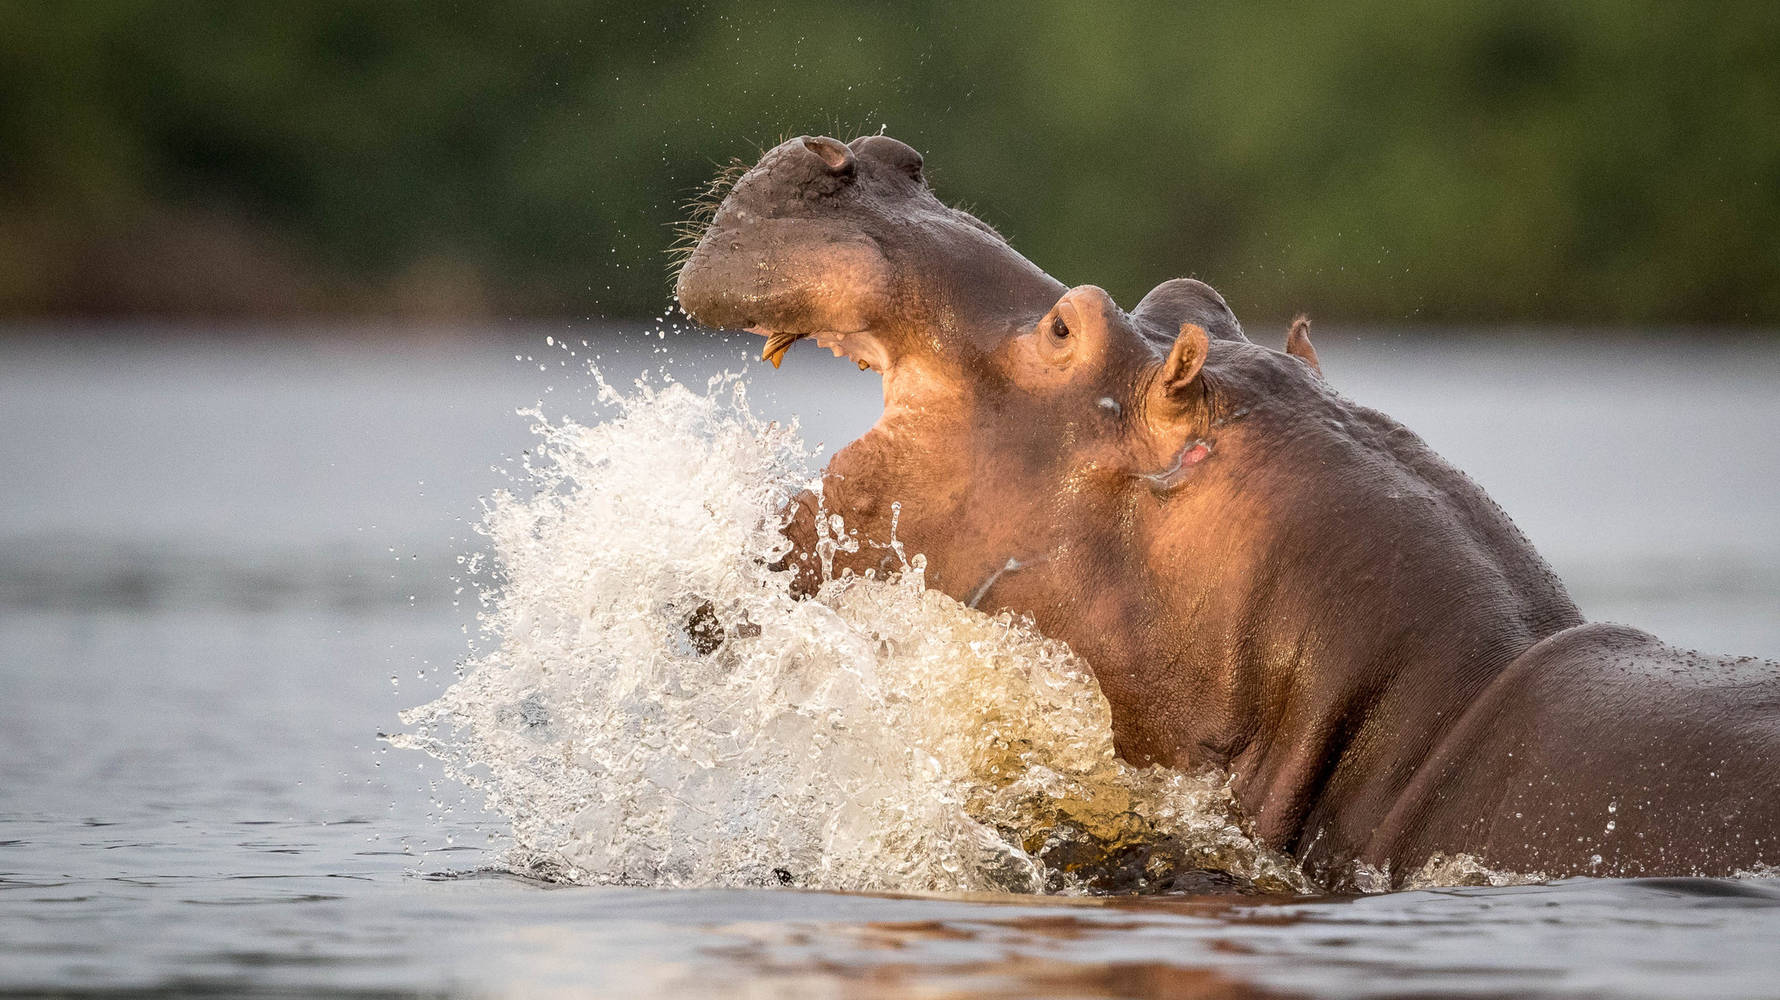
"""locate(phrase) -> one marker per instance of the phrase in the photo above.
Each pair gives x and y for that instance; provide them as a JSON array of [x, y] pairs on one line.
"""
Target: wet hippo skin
[[1264, 576]]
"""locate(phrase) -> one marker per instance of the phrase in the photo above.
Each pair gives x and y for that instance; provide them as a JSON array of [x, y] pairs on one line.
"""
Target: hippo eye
[[1053, 339]]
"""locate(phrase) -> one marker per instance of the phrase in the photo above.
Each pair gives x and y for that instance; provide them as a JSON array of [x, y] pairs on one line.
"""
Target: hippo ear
[[1298, 343], [1184, 300], [1181, 370]]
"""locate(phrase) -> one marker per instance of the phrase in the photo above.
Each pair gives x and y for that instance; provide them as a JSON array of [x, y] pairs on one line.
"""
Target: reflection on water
[[933, 958], [222, 573], [1579, 937]]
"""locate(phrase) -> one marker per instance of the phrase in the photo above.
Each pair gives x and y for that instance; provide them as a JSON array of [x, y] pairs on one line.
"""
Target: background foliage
[[1589, 162]]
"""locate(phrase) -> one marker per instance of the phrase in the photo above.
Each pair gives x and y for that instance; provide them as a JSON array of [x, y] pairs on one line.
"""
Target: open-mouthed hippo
[[1263, 575]]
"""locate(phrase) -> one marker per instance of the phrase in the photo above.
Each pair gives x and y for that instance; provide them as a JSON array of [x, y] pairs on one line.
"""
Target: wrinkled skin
[[1263, 575]]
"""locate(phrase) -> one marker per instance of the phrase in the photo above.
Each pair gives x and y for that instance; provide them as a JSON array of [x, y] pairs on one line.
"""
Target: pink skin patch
[[1176, 474]]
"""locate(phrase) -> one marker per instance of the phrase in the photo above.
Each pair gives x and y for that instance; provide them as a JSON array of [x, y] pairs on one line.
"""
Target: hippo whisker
[[701, 208]]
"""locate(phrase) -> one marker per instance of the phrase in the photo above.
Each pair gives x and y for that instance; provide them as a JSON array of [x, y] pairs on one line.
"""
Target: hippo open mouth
[[864, 349]]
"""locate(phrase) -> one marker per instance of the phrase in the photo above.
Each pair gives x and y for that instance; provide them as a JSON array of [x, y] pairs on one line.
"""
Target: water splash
[[651, 706], [1441, 871]]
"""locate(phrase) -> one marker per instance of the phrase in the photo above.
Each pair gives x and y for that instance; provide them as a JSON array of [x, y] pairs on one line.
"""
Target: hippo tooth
[[776, 346]]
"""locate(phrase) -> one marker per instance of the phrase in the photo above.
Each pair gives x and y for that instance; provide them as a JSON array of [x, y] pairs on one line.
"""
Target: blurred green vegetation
[[1584, 162]]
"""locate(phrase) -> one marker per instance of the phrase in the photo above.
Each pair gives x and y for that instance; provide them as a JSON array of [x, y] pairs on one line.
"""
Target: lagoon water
[[226, 565]]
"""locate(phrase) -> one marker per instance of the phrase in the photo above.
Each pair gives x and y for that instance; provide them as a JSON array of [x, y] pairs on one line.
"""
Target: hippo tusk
[[776, 346]]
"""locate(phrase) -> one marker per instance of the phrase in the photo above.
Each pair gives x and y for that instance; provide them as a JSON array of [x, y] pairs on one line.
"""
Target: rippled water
[[225, 567]]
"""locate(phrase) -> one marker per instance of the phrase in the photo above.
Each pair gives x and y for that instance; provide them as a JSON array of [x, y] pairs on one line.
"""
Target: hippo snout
[[824, 238], [809, 215]]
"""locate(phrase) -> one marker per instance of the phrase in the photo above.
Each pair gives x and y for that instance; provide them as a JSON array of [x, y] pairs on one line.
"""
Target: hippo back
[[1604, 742]]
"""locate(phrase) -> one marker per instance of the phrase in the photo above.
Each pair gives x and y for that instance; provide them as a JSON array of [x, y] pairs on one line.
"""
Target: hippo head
[[845, 243], [1034, 437]]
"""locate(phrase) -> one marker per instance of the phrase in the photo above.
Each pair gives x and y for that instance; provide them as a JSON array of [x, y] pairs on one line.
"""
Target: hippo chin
[[1263, 575]]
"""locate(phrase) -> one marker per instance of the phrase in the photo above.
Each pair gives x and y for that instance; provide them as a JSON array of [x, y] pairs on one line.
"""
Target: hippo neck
[[1345, 632]]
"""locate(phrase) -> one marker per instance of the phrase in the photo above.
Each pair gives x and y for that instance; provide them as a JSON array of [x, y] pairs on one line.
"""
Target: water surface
[[225, 567]]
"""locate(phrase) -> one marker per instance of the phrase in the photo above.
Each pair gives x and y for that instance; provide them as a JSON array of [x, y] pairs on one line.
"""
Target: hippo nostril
[[833, 152]]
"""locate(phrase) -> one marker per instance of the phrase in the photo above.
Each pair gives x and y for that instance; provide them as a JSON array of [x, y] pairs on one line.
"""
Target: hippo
[[1263, 576]]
